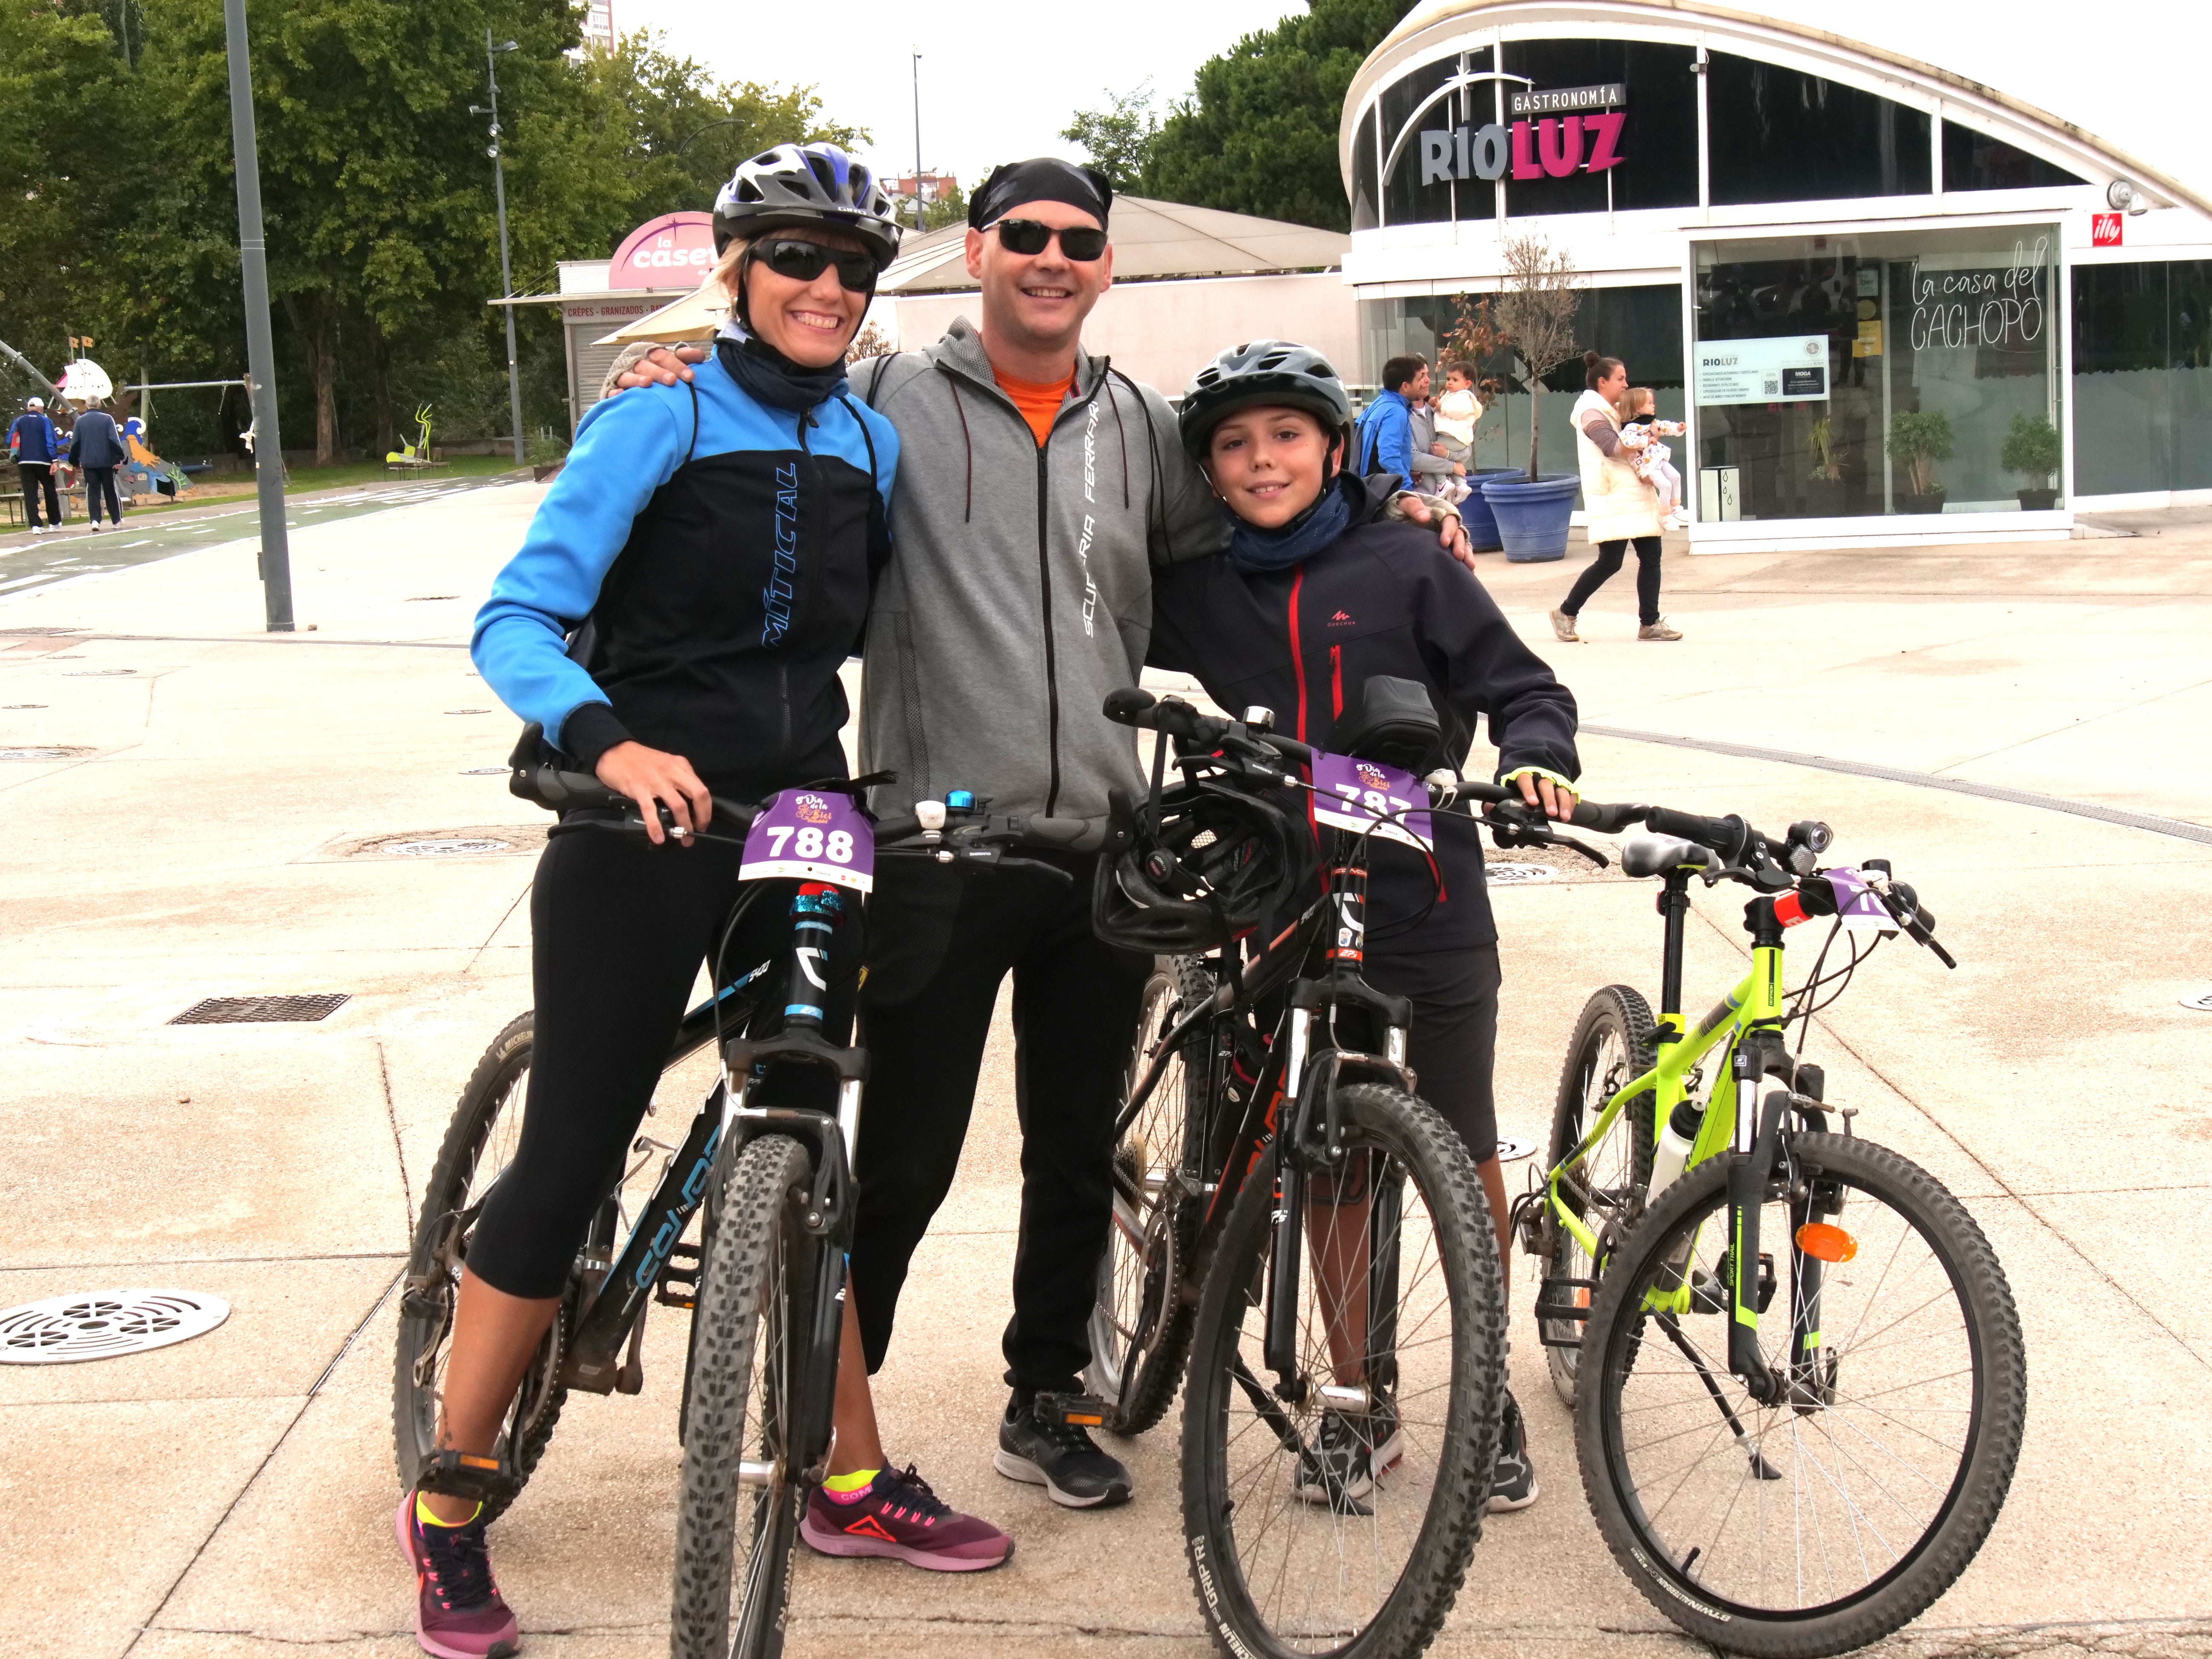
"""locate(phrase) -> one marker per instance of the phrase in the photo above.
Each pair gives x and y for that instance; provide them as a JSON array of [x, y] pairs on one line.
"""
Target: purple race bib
[[814, 836], [1858, 905], [1352, 794]]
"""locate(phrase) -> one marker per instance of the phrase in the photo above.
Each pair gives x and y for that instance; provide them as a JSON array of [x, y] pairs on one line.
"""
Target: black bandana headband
[[1045, 179]]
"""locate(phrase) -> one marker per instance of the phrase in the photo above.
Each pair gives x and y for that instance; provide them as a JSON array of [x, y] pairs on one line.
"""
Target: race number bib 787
[[814, 836], [1352, 794]]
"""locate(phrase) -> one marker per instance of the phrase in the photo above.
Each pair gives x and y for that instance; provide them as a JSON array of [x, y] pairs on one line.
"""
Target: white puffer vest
[[1619, 505]]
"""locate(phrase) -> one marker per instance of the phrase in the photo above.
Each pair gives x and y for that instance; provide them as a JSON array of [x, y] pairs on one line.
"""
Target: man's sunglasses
[[1081, 243], [803, 262]]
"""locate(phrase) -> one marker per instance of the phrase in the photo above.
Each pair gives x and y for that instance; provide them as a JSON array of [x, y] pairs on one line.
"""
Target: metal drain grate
[[63, 1329], [262, 1011], [1517, 875], [41, 754], [440, 850], [2200, 1000]]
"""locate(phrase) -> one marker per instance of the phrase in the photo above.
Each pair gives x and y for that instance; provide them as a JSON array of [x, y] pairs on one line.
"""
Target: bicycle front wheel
[[1341, 1521], [1832, 1518], [739, 1512], [1140, 1328]]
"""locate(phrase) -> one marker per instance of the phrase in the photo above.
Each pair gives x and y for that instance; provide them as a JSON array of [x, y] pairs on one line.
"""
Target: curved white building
[[1796, 238]]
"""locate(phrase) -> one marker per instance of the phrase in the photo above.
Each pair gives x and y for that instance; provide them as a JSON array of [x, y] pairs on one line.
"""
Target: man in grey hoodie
[[1037, 486]]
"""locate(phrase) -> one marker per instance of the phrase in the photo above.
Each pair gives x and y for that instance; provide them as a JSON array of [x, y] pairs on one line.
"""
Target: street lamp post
[[499, 192], [917, 141], [260, 348]]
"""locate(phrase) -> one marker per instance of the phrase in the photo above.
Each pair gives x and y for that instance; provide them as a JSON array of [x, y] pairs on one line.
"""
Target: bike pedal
[[678, 1283], [467, 1474], [1566, 1301], [1709, 1292], [1074, 1411]]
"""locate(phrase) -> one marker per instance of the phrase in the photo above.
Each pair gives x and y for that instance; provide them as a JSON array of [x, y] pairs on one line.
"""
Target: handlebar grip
[[890, 829], [1289, 748], [1060, 832], [1726, 836], [1125, 704], [1608, 818]]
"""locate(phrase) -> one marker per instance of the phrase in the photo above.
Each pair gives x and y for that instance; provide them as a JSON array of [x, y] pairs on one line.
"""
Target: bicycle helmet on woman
[[1280, 374], [807, 185]]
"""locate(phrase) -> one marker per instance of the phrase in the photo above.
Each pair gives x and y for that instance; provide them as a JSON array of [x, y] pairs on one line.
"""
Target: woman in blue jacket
[[718, 537]]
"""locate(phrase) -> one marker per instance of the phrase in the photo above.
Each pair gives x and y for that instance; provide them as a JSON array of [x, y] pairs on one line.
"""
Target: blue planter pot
[[1531, 518], [1474, 512]]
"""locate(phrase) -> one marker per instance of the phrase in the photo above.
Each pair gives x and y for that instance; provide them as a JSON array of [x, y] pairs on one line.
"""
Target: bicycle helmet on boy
[[1218, 866], [1278, 373], [801, 184]]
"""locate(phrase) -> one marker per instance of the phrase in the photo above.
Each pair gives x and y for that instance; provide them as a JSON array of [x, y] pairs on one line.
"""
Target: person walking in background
[[1621, 507], [96, 447], [33, 446]]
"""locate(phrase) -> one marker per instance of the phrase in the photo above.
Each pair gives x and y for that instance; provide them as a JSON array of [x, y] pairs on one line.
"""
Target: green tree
[[950, 209], [1258, 133], [1118, 139]]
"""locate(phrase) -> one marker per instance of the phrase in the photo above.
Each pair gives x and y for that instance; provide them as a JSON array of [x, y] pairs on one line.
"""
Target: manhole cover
[[262, 1011], [22, 705], [1512, 1151], [63, 1329], [468, 711], [484, 771], [93, 673], [440, 850], [39, 754], [2200, 1000], [1517, 875]]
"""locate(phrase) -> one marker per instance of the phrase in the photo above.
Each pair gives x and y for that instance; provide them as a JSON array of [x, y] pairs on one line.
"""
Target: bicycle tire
[[492, 1097], [750, 1280], [1414, 1608], [1620, 1332], [1620, 1015], [1140, 1329]]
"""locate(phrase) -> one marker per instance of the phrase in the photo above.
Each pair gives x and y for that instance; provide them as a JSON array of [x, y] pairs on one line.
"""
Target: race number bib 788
[[814, 836], [1352, 794]]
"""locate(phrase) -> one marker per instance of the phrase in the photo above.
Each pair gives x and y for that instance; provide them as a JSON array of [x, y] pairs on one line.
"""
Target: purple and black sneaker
[[458, 1613]]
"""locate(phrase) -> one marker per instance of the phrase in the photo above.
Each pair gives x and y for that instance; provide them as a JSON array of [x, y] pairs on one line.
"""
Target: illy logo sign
[[2104, 229]]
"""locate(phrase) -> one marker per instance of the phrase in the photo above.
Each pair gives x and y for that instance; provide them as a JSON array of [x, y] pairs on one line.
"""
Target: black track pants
[[1603, 568], [940, 942], [618, 930], [36, 476], [99, 486]]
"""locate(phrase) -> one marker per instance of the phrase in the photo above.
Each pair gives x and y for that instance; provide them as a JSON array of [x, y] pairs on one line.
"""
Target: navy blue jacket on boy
[[722, 549], [1382, 598]]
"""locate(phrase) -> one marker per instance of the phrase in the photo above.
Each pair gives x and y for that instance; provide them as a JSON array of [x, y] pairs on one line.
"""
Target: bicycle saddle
[[1648, 854], [1397, 724]]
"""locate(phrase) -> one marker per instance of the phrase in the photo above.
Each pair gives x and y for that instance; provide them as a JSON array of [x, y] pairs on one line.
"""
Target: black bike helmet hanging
[[1217, 866], [1276, 373], [807, 185]]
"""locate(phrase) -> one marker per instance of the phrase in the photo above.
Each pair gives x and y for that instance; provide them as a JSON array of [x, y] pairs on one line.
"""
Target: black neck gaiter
[[774, 379]]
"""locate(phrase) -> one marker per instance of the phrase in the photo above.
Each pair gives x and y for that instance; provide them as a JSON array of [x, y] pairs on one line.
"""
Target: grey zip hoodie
[[1021, 591]]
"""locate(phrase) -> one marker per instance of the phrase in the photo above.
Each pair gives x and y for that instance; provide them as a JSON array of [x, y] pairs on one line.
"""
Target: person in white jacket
[[1621, 507]]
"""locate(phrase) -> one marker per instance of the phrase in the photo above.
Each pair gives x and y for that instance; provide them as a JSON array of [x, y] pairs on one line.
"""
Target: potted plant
[[2031, 447], [1824, 485], [1476, 338], [1920, 437], [1536, 314]]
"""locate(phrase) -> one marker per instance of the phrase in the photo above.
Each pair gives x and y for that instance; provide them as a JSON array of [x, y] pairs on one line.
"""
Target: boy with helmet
[[1317, 593]]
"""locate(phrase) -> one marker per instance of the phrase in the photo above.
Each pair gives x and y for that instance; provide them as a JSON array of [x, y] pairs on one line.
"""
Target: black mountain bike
[[1288, 1212], [765, 1282]]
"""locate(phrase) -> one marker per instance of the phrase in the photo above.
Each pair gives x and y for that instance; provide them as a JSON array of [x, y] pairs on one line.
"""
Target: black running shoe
[[1037, 1444], [1513, 1486], [1336, 1469]]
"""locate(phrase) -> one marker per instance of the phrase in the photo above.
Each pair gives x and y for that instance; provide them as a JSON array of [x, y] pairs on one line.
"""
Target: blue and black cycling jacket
[[722, 551]]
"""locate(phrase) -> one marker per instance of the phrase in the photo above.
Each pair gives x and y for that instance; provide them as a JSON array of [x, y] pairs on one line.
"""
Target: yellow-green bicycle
[[1796, 1369]]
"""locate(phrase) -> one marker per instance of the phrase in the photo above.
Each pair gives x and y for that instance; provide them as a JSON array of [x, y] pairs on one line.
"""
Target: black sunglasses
[[1081, 243], [802, 262]]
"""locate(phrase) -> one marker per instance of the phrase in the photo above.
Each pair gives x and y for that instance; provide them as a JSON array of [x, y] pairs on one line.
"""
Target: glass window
[[2143, 377], [1657, 139], [1781, 136], [1642, 327], [1364, 162], [1974, 161], [1836, 376], [1406, 199]]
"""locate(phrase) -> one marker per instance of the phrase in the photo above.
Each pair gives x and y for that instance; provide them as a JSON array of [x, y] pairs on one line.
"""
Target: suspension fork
[[1757, 1139]]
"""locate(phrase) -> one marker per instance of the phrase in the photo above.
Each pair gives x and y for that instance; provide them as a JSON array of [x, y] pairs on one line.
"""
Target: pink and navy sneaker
[[897, 1515], [458, 1613]]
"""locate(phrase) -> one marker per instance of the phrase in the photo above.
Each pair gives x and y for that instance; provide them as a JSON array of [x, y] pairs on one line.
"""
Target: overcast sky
[[999, 81]]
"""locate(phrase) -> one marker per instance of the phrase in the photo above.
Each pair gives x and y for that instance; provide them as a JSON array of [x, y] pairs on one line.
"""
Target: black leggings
[[941, 941], [1453, 1045], [619, 928], [1607, 563], [99, 486]]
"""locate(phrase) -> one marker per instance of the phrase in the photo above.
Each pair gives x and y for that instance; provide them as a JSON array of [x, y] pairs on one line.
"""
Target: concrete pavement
[[208, 818]]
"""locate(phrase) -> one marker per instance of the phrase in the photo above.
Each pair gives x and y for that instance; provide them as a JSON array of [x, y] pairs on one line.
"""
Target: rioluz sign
[[1554, 132]]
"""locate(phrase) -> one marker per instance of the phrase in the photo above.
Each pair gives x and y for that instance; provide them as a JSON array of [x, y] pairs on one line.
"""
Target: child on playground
[[1318, 593], [1641, 429]]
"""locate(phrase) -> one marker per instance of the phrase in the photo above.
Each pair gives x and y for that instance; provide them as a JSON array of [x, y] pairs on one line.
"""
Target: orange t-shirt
[[1039, 402]]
